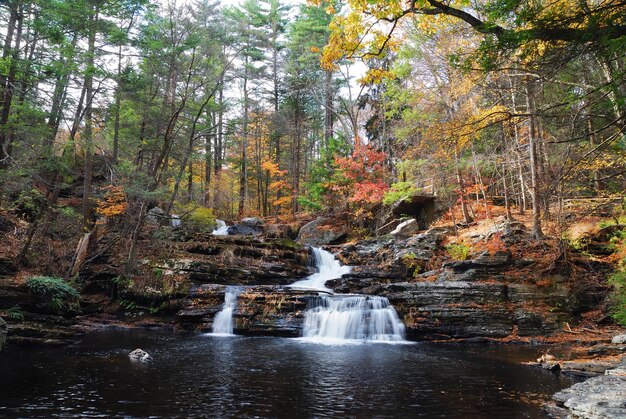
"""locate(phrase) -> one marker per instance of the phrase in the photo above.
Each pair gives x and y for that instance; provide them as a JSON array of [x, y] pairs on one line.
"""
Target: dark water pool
[[204, 376]]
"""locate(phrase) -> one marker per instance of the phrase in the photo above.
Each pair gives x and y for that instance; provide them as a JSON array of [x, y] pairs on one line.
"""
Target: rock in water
[[247, 227], [139, 355], [596, 398], [3, 333]]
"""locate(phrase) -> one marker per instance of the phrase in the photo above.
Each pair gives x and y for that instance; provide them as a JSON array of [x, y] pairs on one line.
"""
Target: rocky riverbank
[[602, 394]]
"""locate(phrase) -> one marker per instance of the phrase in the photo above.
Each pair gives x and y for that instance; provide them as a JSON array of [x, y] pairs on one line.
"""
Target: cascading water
[[341, 318], [223, 322], [221, 229], [327, 268], [345, 318]]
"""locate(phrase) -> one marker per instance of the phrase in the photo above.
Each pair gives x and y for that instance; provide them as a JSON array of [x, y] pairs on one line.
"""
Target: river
[[200, 375]]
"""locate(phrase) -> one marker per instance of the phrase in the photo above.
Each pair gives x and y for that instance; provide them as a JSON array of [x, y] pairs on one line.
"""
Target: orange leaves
[[272, 169], [364, 173], [113, 203]]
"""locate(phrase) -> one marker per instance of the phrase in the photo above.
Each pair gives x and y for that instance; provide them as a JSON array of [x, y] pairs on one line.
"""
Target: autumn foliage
[[360, 178], [113, 203]]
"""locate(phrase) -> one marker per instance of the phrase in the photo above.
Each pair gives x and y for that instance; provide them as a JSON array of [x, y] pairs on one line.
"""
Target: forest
[[261, 108]]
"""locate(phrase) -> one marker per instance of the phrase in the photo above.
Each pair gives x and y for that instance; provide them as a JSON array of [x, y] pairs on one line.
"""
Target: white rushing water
[[175, 221], [352, 318], [223, 323], [327, 268], [221, 229], [341, 319]]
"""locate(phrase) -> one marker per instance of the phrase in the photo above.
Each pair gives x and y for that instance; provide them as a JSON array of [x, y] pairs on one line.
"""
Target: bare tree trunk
[[459, 178], [507, 201], [532, 146]]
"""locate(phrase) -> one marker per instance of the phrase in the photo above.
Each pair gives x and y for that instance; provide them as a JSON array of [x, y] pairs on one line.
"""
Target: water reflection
[[248, 377]]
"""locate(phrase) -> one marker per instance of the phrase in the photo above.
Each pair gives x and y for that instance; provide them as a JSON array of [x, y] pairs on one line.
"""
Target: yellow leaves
[[315, 49], [376, 75], [113, 203], [330, 10]]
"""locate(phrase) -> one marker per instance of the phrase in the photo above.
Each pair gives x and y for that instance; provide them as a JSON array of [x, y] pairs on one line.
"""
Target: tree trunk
[[532, 148], [243, 176], [328, 107], [118, 104], [466, 217], [88, 215], [7, 83]]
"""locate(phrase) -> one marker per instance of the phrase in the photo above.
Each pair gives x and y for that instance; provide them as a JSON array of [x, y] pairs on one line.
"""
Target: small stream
[[195, 375]]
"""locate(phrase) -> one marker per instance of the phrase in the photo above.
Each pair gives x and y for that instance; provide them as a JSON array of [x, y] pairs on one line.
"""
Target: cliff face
[[519, 289]]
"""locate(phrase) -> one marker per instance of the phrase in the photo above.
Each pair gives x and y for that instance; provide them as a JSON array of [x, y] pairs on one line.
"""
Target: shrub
[[200, 219], [399, 191], [15, 313], [458, 251], [54, 293]]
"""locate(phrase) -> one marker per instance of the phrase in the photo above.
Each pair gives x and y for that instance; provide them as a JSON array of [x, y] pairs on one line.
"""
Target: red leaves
[[364, 172]]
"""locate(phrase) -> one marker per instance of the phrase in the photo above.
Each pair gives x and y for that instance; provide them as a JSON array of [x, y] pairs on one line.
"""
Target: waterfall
[[175, 221], [327, 268], [221, 228], [223, 322], [345, 318], [341, 318]]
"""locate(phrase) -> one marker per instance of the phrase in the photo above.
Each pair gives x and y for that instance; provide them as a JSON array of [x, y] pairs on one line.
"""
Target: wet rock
[[607, 349], [595, 398], [361, 277], [260, 310], [449, 309], [139, 355], [322, 231], [3, 333], [619, 339], [252, 226], [406, 228]]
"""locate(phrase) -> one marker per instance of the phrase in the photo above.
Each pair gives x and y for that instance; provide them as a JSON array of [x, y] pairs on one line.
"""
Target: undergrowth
[[54, 293]]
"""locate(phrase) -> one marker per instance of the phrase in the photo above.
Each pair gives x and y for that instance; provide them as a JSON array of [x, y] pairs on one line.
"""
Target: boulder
[[598, 397], [155, 215], [139, 355], [619, 339], [3, 333], [320, 232], [251, 226], [406, 228], [280, 231], [511, 232]]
